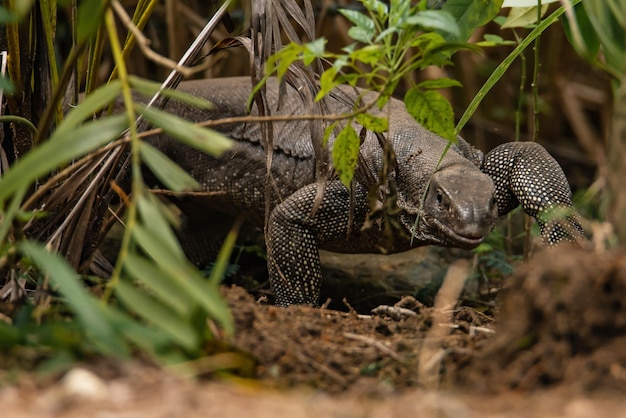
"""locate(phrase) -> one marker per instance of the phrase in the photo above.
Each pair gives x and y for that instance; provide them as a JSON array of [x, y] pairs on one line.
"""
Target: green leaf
[[221, 264], [58, 150], [606, 22], [151, 340], [152, 214], [346, 154], [166, 170], [164, 287], [22, 7], [19, 119], [6, 85], [435, 50], [190, 279], [328, 132], [282, 60], [205, 140], [436, 20], [9, 335], [493, 40], [387, 35], [376, 7], [360, 35], [585, 40], [363, 29], [87, 308], [440, 83], [359, 19], [506, 63], [95, 101], [152, 311], [471, 14], [150, 88], [90, 15], [428, 41], [431, 110], [327, 82], [373, 123], [7, 17], [313, 50], [9, 213], [370, 54], [152, 242], [525, 3], [520, 17]]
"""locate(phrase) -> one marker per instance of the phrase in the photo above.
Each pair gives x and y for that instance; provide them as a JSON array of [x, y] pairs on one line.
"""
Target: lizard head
[[459, 209]]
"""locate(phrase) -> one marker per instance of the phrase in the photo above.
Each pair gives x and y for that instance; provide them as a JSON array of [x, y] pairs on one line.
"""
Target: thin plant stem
[[506, 63], [136, 182], [535, 135]]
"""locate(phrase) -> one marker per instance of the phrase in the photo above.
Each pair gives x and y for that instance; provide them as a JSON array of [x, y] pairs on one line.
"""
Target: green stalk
[[13, 43], [19, 119], [534, 86], [535, 135], [518, 125], [58, 93], [506, 63], [140, 19], [137, 182], [48, 9], [95, 55], [223, 257]]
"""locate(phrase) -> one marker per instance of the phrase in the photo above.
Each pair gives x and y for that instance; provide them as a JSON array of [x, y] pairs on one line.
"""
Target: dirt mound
[[338, 351], [561, 325], [562, 321]]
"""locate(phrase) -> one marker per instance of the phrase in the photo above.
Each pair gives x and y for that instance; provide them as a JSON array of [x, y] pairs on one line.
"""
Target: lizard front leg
[[525, 173], [293, 238]]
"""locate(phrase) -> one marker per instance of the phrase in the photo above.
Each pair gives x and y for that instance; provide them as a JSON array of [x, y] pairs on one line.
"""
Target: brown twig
[[432, 353], [144, 43], [376, 344]]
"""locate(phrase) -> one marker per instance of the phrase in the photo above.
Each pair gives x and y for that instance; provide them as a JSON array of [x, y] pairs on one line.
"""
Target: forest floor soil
[[554, 347]]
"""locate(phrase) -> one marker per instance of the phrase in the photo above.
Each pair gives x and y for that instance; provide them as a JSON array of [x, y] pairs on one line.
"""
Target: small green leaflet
[[202, 139], [431, 110], [363, 29], [346, 154], [470, 14], [170, 173], [520, 17], [525, 3], [373, 123], [150, 88], [439, 83], [435, 20]]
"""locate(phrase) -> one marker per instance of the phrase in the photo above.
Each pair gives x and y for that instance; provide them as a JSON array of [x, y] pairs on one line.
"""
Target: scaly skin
[[464, 194]]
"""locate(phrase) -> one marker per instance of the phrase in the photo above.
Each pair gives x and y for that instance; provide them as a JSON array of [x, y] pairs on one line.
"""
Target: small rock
[[85, 384]]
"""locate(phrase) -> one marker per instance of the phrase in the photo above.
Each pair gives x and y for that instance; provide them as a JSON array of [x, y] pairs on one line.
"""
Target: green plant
[[156, 300], [391, 42], [597, 29]]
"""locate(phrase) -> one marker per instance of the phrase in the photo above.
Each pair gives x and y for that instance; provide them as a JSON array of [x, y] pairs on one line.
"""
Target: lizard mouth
[[452, 237], [431, 230]]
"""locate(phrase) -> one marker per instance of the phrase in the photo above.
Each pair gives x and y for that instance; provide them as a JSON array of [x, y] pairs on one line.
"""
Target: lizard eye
[[439, 198]]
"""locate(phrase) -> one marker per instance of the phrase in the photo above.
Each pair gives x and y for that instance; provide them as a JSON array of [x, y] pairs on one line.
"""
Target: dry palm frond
[[79, 202], [271, 20], [79, 198]]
